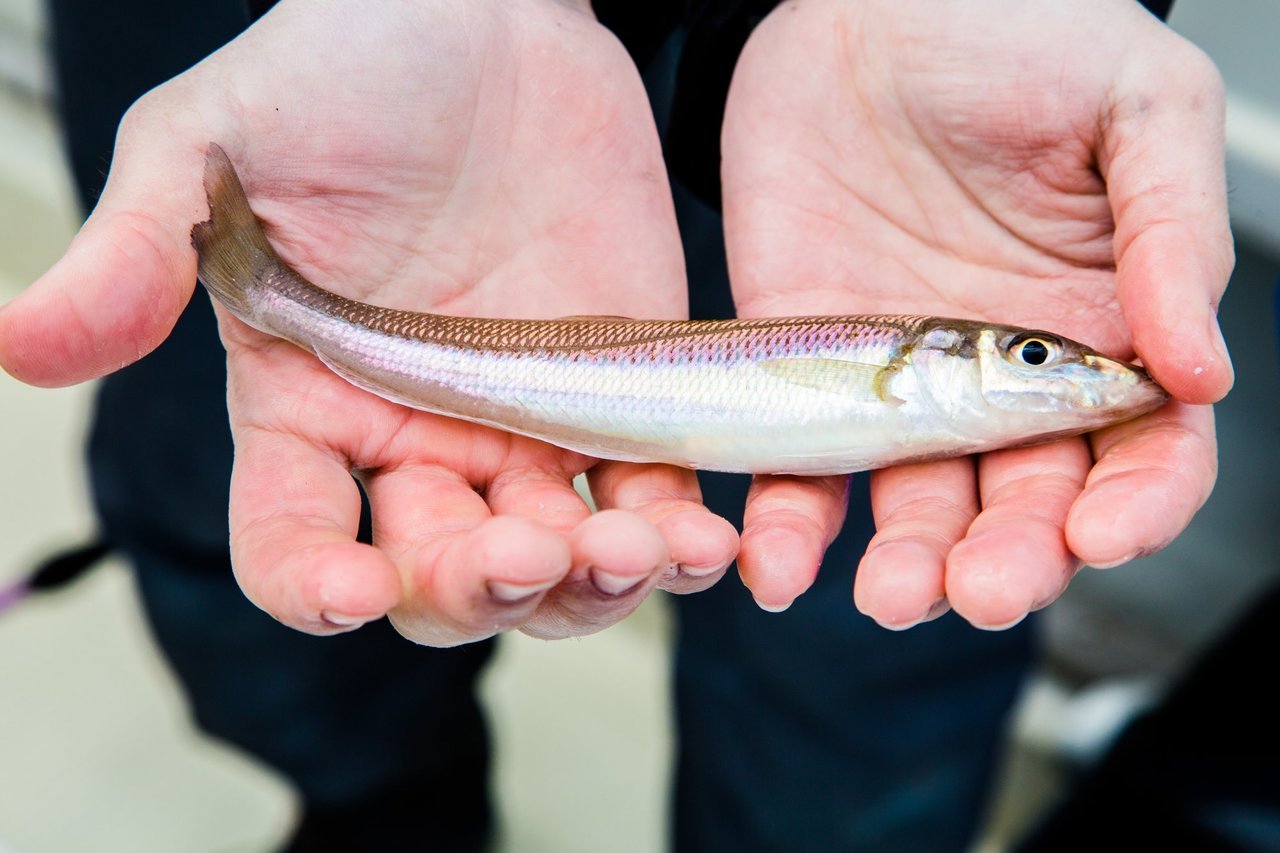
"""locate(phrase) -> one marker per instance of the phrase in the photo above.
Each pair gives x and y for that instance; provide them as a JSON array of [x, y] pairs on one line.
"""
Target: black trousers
[[808, 730]]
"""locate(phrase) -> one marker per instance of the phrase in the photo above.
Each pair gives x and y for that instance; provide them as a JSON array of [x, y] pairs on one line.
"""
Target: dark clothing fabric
[[149, 43], [1201, 771], [714, 32]]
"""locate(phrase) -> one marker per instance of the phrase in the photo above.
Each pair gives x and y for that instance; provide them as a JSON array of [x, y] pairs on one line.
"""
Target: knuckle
[[1201, 72]]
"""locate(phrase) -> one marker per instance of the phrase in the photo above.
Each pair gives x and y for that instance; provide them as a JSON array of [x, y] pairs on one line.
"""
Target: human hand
[[493, 158], [1050, 165]]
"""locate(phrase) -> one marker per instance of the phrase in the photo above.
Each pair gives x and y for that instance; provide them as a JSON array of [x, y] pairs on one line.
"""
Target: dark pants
[[1200, 771], [809, 730]]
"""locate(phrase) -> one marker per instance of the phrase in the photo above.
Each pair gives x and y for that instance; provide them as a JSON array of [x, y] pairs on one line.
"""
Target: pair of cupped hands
[[1048, 164]]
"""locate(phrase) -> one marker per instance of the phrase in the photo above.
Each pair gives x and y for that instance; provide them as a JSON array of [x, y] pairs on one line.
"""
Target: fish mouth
[[1132, 390]]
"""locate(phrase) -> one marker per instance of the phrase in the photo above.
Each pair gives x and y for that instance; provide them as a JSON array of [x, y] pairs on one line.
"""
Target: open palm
[[1048, 165], [490, 159]]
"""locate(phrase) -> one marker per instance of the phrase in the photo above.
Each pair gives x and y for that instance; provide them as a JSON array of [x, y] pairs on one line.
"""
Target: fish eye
[[1033, 350]]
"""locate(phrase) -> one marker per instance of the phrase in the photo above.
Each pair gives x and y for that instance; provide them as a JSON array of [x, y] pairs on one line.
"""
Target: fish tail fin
[[232, 247]]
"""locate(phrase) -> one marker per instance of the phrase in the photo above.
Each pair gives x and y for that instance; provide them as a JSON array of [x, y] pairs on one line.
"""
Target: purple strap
[[12, 595]]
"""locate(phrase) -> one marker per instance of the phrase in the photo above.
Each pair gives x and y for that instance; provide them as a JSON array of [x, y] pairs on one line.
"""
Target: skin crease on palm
[[499, 158]]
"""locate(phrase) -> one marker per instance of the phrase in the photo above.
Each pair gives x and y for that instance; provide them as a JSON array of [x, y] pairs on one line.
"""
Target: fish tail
[[232, 247]]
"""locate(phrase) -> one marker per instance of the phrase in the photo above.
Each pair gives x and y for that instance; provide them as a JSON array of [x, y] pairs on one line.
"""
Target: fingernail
[[773, 608], [935, 610], [1219, 342], [342, 620], [1120, 562], [1001, 627], [611, 584], [512, 593], [939, 608], [702, 571]]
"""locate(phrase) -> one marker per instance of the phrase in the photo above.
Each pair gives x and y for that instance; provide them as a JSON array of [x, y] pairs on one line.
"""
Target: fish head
[[1030, 383]]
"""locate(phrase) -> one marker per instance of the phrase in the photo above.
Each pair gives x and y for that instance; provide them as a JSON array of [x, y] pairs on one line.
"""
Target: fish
[[780, 395]]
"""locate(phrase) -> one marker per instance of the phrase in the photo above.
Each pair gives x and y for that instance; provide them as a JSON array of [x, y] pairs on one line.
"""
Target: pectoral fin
[[851, 379]]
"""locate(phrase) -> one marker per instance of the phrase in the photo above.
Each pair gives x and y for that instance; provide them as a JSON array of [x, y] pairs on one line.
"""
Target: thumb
[[119, 288], [1163, 162]]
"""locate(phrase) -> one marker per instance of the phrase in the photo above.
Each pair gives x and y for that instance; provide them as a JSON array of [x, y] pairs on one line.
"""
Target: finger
[[701, 543], [1151, 476], [787, 525], [118, 290], [1162, 157], [468, 585], [618, 559], [537, 491], [466, 575], [1014, 558], [294, 515], [921, 512]]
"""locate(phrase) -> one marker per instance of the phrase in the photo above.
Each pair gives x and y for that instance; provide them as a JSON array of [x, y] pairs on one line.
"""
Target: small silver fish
[[795, 395]]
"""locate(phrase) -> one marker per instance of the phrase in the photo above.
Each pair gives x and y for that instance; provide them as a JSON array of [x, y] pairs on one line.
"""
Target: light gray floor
[[97, 752]]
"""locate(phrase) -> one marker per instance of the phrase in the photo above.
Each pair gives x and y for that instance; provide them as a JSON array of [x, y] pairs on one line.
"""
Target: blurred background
[[97, 751]]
